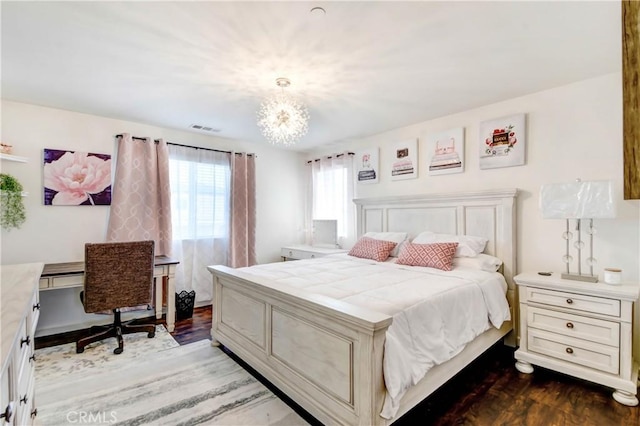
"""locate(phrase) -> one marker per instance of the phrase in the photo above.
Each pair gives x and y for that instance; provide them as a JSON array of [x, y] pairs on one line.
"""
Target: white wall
[[574, 131], [58, 233]]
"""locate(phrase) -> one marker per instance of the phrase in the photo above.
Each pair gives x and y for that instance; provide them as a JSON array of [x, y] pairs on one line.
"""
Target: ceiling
[[362, 68]]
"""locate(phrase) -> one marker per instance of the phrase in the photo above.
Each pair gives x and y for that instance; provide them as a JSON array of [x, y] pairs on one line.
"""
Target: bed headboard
[[488, 214]]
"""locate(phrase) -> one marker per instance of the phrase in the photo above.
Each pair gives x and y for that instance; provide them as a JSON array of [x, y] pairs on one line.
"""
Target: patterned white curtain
[[200, 205], [140, 206], [330, 195], [243, 218]]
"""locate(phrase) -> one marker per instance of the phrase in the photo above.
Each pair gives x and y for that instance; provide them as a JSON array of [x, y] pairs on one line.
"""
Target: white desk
[[71, 274], [307, 252]]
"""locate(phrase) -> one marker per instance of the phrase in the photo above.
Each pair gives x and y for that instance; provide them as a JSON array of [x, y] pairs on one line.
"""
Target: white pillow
[[484, 262], [396, 237], [468, 246]]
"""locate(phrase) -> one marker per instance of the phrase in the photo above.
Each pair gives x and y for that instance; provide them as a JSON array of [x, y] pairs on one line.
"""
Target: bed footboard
[[324, 354]]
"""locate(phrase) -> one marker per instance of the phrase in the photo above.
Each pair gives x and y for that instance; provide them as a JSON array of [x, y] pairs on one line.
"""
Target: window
[[200, 210], [332, 193], [199, 199], [330, 196]]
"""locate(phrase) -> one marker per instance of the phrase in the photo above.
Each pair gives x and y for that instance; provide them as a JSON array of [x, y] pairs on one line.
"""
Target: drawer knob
[[25, 341], [290, 253], [34, 412], [569, 325], [569, 350], [24, 399], [36, 306], [569, 301], [313, 255], [8, 413], [32, 358]]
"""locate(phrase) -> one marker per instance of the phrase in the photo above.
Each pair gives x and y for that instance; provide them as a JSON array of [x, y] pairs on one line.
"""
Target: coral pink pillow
[[369, 248], [436, 255]]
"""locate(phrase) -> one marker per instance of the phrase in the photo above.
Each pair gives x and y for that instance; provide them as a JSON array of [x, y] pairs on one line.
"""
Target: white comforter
[[435, 313]]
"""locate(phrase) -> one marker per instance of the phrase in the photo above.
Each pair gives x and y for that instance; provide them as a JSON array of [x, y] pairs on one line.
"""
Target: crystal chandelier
[[282, 119]]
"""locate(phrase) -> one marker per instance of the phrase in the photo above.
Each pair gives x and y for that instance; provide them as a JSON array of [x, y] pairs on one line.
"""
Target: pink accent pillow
[[436, 255], [369, 248]]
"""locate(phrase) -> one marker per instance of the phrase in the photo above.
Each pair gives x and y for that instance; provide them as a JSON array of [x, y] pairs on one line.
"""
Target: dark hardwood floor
[[490, 391]]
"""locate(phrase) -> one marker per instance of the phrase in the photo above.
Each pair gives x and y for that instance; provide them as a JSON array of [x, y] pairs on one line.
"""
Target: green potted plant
[[12, 213]]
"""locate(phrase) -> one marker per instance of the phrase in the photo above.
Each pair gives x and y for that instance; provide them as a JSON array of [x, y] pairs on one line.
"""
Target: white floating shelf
[[13, 158]]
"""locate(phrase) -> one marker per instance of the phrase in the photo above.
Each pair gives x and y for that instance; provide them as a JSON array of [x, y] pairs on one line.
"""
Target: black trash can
[[184, 304]]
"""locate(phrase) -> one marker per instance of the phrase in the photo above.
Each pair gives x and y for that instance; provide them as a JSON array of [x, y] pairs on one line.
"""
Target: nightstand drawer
[[573, 301], [593, 355], [580, 327]]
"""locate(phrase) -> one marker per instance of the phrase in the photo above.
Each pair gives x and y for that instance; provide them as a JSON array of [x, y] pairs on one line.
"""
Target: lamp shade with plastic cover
[[577, 200]]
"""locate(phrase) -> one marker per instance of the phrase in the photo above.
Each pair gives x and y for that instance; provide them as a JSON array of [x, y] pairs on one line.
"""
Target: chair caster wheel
[[117, 351], [151, 335]]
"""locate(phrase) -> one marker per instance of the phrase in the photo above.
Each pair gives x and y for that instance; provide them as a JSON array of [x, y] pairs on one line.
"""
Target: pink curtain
[[141, 202], [243, 211]]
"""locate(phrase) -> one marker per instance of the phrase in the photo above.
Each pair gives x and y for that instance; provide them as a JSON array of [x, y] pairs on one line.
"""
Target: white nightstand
[[581, 329], [307, 252]]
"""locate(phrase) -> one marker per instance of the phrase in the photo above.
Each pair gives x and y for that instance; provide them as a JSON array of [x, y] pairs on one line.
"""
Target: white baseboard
[[103, 319], [99, 320]]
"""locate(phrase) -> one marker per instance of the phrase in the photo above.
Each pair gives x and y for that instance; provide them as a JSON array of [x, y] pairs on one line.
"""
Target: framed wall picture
[[404, 163], [445, 152], [503, 142], [367, 165], [73, 178]]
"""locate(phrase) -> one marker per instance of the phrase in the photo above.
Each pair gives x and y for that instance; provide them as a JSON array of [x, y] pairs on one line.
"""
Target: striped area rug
[[62, 360], [187, 385]]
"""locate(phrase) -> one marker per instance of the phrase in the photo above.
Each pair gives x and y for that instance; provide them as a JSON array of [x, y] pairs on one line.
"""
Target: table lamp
[[578, 201]]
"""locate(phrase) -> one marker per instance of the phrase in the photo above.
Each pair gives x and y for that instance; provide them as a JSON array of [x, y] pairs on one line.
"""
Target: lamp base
[[587, 278]]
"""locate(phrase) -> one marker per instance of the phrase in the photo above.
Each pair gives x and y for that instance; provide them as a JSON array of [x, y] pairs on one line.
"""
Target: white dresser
[[307, 252], [578, 328], [19, 312]]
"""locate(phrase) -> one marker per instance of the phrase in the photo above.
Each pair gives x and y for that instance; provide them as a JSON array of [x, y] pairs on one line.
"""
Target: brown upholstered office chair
[[117, 275]]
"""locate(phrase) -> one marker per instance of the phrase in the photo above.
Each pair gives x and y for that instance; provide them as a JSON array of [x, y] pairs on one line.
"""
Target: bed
[[328, 354]]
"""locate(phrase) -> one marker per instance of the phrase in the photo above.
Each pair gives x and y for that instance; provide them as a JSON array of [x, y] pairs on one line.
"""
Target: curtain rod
[[209, 149], [337, 155], [189, 146]]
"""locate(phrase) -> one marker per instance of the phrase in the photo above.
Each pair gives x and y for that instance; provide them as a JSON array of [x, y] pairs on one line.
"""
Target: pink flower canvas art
[[74, 178]]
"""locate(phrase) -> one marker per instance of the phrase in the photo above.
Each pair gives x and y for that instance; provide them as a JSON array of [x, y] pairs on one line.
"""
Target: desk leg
[[171, 298], [159, 288]]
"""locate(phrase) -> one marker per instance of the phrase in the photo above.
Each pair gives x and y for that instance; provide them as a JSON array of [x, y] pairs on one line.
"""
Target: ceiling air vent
[[204, 128]]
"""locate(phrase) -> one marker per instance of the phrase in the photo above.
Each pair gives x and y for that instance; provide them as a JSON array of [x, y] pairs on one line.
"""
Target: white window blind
[[199, 199]]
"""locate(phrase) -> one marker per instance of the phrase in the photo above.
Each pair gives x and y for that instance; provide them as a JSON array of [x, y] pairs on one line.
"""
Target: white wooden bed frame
[[326, 354]]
